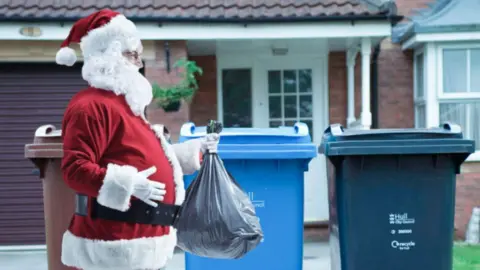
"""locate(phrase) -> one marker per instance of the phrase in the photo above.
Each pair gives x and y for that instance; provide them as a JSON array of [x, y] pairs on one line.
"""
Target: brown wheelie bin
[[58, 199]]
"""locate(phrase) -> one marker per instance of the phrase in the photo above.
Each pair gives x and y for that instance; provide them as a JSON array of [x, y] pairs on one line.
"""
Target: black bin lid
[[446, 139]]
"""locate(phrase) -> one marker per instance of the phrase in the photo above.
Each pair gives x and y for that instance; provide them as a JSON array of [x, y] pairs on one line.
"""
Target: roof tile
[[186, 9]]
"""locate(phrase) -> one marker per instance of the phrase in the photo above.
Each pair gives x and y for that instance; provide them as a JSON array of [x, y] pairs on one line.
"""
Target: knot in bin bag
[[217, 218]]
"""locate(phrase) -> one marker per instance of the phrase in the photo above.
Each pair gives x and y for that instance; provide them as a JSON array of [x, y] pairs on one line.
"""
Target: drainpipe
[[374, 85], [392, 16]]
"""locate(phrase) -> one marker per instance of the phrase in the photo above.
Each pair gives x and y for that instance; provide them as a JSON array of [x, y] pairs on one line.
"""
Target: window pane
[[274, 81], [290, 123], [275, 106], [419, 75], [306, 106], [420, 116], [274, 124], [475, 70], [289, 81], [455, 113], [454, 71], [237, 97], [465, 115], [290, 103], [305, 80]]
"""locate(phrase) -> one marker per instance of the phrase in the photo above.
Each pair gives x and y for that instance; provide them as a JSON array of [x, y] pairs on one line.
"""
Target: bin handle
[[336, 129], [44, 130], [301, 129], [187, 129], [452, 127]]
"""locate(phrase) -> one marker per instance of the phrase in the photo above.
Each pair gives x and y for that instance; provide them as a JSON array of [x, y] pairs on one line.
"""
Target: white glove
[[210, 143], [147, 190]]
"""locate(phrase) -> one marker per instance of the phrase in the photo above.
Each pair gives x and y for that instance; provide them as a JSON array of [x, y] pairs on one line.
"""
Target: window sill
[[474, 157]]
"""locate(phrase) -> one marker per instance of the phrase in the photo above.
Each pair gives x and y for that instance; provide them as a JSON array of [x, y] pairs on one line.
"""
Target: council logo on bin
[[402, 245], [400, 219]]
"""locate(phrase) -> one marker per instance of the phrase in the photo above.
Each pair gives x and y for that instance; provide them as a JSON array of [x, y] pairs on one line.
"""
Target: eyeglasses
[[134, 55]]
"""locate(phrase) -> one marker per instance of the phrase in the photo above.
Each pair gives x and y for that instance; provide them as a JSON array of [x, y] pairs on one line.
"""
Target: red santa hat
[[96, 32]]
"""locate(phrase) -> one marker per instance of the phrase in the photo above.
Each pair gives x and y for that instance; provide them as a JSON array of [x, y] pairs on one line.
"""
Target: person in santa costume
[[127, 176]]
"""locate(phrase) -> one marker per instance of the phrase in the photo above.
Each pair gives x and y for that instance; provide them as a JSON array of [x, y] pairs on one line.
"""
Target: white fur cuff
[[188, 155], [117, 187]]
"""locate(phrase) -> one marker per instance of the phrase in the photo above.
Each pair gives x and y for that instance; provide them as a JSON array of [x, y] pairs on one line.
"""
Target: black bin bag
[[217, 218]]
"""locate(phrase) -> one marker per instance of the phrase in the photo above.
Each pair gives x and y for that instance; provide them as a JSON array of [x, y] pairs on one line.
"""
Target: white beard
[[116, 74]]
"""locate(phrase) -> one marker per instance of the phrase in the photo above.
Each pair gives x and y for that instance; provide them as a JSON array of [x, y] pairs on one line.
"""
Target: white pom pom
[[66, 56]]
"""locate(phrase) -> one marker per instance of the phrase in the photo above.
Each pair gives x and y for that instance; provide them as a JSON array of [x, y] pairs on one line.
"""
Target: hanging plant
[[170, 97]]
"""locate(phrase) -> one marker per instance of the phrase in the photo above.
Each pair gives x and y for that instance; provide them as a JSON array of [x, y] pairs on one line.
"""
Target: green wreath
[[184, 90]]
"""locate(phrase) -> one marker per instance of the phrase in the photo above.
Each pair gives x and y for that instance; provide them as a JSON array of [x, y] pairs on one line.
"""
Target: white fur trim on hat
[[66, 56], [119, 30]]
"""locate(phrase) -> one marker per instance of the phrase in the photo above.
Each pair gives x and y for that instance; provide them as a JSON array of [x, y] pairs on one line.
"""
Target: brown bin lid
[[46, 144]]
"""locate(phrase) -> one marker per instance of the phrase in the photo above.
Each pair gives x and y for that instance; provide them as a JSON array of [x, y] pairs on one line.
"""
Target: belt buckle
[[81, 205]]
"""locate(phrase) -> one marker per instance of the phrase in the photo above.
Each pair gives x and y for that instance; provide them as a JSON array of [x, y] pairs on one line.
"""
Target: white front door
[[291, 90]]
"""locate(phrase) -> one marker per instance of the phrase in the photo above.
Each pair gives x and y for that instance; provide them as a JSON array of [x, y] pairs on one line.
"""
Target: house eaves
[[443, 16]]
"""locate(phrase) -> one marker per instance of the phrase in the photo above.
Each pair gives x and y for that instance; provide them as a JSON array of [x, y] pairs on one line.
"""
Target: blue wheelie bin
[[269, 164], [392, 196]]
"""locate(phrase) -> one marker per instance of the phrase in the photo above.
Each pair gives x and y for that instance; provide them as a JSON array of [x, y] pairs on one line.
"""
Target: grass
[[466, 257]]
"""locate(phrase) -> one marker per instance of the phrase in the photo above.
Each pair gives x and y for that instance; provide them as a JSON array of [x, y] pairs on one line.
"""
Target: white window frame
[[419, 101], [454, 96], [442, 97]]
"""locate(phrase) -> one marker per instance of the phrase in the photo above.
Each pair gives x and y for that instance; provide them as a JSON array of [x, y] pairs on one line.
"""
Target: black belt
[[139, 212]]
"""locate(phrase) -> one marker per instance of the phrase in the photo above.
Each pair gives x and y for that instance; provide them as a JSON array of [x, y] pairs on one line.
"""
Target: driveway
[[316, 257]]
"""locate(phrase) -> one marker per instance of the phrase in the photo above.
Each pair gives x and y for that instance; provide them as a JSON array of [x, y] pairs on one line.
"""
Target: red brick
[[467, 197], [156, 71], [395, 87], [337, 95], [203, 107], [337, 80], [204, 103], [408, 7]]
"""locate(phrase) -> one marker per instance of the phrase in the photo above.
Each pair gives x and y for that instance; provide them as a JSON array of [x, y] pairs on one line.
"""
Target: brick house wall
[[203, 107], [337, 85], [204, 103], [156, 71], [468, 196]]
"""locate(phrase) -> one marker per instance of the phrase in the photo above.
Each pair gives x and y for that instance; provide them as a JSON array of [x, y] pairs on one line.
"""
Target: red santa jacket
[[105, 144]]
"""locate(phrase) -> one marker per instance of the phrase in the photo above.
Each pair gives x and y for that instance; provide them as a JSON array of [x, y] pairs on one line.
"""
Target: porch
[[267, 83], [270, 82]]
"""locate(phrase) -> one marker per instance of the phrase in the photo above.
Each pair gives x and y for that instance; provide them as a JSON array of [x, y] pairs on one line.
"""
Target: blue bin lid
[[448, 138], [259, 143]]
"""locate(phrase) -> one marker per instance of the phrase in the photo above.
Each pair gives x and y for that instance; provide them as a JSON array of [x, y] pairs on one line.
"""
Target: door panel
[[291, 93], [237, 97]]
